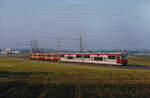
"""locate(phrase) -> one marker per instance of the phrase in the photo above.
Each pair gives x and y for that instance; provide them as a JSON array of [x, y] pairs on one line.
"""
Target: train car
[[98, 58], [45, 56]]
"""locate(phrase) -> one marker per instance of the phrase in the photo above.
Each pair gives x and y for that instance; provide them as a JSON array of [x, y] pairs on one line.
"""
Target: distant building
[[5, 52], [8, 51], [15, 52]]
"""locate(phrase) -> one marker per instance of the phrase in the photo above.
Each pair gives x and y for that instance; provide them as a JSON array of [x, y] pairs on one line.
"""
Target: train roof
[[98, 53], [88, 53]]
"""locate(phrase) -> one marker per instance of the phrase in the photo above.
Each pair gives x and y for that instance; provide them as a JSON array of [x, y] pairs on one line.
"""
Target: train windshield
[[124, 56]]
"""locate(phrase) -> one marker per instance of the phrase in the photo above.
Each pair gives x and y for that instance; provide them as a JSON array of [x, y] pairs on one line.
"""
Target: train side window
[[111, 57], [86, 56], [78, 56], [70, 57], [98, 58], [49, 55], [62, 56]]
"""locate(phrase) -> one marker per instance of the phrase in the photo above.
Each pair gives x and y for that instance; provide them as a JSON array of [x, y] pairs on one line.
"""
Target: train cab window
[[98, 58], [70, 57], [124, 56], [111, 57], [78, 56], [86, 56]]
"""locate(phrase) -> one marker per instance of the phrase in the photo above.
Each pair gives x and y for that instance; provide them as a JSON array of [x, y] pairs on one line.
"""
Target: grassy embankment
[[32, 79], [26, 70]]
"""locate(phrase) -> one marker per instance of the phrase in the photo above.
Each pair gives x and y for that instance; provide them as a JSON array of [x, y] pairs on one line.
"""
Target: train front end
[[124, 60]]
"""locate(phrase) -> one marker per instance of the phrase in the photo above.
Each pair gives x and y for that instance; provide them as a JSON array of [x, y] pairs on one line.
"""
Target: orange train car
[[44, 56]]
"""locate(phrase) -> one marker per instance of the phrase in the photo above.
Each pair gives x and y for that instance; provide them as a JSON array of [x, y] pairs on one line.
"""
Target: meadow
[[32, 79]]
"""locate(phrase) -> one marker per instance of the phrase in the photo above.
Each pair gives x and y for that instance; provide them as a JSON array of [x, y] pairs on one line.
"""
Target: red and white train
[[98, 58]]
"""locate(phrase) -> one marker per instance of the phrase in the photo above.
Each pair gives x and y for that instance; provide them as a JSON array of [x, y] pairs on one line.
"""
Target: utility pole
[[16, 45], [80, 42], [81, 47], [58, 44], [31, 47], [36, 46]]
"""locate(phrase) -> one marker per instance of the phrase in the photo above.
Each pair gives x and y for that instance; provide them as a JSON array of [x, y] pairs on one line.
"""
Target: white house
[[5, 52], [15, 52]]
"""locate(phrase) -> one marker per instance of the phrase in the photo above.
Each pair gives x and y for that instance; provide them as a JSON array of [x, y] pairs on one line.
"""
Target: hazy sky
[[103, 24]]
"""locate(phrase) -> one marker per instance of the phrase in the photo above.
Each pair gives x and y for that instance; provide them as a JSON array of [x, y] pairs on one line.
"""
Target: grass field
[[139, 59], [33, 79]]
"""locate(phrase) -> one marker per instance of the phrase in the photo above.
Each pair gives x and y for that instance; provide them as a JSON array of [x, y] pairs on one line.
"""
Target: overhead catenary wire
[[66, 42]]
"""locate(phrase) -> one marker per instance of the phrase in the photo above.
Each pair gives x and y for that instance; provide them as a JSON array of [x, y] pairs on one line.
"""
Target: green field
[[33, 79]]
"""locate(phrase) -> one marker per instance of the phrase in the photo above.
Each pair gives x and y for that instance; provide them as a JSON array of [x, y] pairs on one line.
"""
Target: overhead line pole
[[80, 42], [16, 46], [81, 47], [58, 44], [31, 46], [36, 46]]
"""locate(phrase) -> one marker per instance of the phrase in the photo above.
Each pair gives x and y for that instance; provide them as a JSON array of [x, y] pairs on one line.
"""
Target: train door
[[105, 59]]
